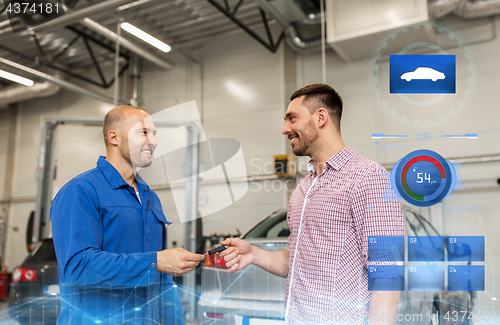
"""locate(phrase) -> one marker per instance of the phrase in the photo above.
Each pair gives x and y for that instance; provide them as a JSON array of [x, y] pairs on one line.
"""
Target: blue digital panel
[[386, 248], [386, 277], [423, 178], [465, 277], [422, 74], [426, 248], [466, 248], [426, 277]]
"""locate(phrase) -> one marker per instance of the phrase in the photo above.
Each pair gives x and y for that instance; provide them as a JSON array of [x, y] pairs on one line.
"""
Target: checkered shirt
[[330, 218]]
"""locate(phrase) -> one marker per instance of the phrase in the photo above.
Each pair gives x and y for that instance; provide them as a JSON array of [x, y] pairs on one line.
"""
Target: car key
[[216, 250]]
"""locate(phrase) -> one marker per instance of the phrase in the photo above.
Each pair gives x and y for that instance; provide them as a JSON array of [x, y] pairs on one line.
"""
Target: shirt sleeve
[[78, 234], [376, 209]]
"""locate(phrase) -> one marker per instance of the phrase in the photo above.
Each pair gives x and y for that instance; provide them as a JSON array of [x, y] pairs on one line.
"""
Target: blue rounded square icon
[[422, 74]]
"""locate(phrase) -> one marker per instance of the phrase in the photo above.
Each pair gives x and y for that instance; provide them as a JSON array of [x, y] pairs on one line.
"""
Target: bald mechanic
[[331, 213], [109, 235]]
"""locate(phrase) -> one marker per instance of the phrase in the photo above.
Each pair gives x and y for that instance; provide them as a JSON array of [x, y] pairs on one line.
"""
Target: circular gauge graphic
[[423, 178]]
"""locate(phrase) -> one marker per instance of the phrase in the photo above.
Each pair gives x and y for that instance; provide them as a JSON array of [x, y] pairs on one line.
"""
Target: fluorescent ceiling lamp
[[16, 78], [146, 37]]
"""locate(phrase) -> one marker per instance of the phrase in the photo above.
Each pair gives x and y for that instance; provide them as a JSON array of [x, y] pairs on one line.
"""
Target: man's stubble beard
[[125, 152], [306, 140]]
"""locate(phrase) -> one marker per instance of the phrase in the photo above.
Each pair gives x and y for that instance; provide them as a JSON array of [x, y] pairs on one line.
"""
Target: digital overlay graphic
[[418, 106], [423, 178], [386, 274], [422, 74]]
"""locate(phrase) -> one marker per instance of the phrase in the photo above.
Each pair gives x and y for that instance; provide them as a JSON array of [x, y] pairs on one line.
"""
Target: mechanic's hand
[[239, 255], [177, 261]]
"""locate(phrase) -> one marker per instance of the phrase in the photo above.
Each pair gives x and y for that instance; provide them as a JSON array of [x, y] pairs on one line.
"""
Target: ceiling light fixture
[[16, 78], [146, 37]]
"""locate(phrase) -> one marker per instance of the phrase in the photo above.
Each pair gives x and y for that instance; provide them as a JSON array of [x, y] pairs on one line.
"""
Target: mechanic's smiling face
[[300, 128], [140, 142]]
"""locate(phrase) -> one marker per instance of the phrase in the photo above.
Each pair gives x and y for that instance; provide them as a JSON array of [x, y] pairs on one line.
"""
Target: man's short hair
[[321, 95], [114, 118]]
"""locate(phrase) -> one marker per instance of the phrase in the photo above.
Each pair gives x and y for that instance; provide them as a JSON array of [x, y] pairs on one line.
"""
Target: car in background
[[253, 295], [249, 294], [34, 297]]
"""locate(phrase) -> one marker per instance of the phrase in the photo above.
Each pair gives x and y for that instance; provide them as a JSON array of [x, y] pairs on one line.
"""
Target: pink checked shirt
[[330, 218]]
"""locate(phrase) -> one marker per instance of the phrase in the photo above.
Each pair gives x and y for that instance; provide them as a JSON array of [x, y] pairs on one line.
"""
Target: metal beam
[[271, 10], [57, 81], [135, 74], [266, 25], [293, 38], [92, 25], [191, 197], [44, 186], [38, 45], [74, 16], [121, 71], [103, 84], [93, 39], [235, 9], [65, 48], [9, 172], [106, 86], [96, 64], [271, 47]]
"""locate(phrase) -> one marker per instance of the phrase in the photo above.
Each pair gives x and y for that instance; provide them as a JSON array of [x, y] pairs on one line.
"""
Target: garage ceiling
[[183, 24]]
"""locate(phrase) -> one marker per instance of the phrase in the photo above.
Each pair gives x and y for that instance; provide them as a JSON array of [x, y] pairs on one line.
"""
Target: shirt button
[[144, 190], [151, 282], [153, 265]]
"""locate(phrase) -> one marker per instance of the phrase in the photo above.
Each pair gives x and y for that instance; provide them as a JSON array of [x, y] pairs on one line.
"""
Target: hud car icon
[[423, 73]]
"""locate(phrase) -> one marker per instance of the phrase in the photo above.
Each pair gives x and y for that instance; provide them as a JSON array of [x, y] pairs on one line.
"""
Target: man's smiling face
[[300, 127], [139, 142]]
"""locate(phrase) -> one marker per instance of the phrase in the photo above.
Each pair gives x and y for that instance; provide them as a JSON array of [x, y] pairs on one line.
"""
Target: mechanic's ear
[[113, 137]]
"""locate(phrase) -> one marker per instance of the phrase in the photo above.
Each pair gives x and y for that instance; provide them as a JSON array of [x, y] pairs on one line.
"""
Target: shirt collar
[[337, 161], [110, 173], [113, 176]]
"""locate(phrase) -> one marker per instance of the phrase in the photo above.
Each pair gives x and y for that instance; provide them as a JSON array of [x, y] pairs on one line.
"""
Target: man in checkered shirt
[[331, 213]]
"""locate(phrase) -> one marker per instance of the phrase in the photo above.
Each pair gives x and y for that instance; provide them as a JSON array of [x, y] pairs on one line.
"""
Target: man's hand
[[177, 261], [239, 255]]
